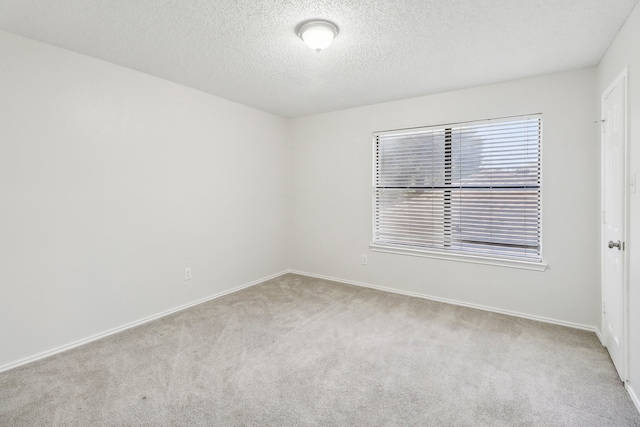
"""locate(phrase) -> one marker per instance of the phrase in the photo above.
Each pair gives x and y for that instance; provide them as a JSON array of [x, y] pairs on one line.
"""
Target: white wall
[[111, 183], [625, 52], [331, 157]]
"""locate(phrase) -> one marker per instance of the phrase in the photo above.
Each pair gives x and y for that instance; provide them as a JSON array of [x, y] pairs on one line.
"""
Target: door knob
[[615, 245]]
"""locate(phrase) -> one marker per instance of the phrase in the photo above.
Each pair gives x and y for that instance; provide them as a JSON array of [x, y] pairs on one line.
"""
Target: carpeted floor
[[301, 351]]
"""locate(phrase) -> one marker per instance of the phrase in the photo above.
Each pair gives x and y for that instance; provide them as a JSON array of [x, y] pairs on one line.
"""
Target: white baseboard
[[634, 396], [273, 276], [455, 302], [133, 324], [600, 337]]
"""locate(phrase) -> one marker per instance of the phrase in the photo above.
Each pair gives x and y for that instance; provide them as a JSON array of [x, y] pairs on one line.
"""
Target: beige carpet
[[300, 351]]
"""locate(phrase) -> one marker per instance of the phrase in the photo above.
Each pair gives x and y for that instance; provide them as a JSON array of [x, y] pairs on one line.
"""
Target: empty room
[[330, 213]]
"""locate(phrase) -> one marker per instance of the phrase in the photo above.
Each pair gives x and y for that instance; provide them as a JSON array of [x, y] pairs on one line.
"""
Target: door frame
[[622, 77]]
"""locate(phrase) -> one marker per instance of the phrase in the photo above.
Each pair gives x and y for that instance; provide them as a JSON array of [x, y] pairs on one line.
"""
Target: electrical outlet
[[187, 273], [364, 260]]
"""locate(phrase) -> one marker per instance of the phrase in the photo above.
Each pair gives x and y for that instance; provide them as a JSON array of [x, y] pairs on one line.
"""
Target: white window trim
[[540, 266], [474, 259]]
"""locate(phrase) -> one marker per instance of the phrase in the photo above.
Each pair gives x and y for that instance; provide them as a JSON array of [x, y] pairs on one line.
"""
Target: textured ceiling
[[247, 51]]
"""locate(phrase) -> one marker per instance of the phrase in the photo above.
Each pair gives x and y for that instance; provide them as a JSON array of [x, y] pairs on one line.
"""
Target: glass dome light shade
[[317, 35]]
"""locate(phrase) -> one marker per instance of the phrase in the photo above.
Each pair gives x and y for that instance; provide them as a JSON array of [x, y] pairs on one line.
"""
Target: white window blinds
[[471, 188]]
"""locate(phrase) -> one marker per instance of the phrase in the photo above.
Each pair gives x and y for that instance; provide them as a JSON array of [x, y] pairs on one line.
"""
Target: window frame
[[448, 254]]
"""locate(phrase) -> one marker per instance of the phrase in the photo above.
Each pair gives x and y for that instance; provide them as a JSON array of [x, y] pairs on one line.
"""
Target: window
[[467, 189]]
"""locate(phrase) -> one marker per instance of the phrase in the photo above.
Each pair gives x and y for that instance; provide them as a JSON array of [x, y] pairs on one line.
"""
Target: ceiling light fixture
[[317, 33]]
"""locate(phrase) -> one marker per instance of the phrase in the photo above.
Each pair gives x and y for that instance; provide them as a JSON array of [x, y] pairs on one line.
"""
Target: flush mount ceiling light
[[317, 34]]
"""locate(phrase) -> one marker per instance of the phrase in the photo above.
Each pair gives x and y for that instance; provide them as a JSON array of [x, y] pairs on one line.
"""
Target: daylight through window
[[468, 188]]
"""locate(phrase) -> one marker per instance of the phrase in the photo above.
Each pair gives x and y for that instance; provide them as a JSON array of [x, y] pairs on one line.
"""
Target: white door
[[613, 228]]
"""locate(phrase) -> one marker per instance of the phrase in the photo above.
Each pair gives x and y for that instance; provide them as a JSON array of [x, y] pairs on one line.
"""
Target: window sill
[[474, 259]]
